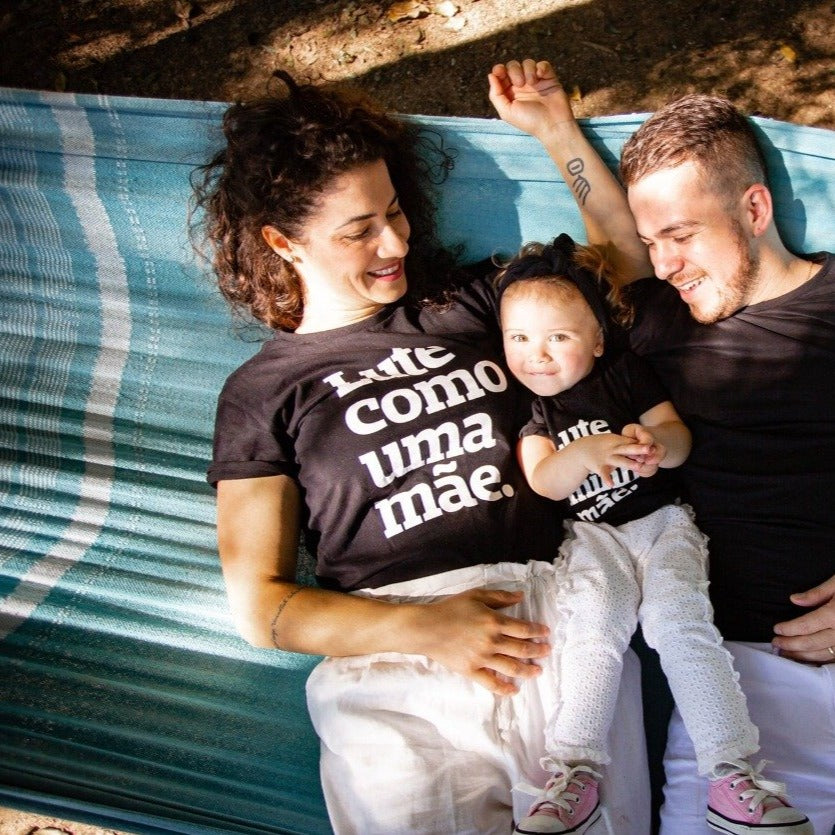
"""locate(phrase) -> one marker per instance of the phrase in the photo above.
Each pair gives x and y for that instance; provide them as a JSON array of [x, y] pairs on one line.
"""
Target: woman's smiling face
[[350, 257]]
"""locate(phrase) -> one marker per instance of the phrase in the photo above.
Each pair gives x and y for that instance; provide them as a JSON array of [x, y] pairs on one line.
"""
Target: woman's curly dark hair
[[281, 154]]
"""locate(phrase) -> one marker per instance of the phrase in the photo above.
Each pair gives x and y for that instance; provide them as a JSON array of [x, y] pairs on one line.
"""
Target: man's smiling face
[[695, 242]]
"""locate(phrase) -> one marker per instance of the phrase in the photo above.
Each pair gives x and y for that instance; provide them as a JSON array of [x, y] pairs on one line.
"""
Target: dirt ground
[[19, 823], [773, 58]]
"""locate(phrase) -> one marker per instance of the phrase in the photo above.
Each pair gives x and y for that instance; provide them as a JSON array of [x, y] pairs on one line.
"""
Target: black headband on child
[[556, 259]]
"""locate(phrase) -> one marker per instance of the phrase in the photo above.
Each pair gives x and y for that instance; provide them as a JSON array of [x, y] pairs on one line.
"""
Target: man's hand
[[529, 96], [810, 637], [469, 635]]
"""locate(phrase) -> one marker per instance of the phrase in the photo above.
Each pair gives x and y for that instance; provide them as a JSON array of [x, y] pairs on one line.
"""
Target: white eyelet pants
[[651, 570], [794, 706], [409, 747]]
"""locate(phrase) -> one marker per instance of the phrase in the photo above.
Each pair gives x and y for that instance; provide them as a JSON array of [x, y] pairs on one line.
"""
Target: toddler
[[602, 439]]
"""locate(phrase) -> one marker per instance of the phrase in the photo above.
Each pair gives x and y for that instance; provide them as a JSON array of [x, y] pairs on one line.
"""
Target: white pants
[[794, 706], [409, 747], [651, 570]]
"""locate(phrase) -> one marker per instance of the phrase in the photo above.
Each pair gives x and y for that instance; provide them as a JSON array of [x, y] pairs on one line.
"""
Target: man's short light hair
[[707, 130]]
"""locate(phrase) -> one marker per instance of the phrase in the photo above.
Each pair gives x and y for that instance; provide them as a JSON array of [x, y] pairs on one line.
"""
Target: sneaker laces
[[556, 794], [760, 789]]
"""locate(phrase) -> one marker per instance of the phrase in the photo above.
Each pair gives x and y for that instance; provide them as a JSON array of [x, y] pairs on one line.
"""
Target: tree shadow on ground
[[773, 58]]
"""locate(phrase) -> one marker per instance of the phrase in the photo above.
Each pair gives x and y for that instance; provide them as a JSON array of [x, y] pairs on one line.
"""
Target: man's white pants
[[794, 707], [409, 747]]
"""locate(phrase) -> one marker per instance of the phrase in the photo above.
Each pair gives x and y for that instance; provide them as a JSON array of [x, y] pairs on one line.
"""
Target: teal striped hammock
[[126, 697]]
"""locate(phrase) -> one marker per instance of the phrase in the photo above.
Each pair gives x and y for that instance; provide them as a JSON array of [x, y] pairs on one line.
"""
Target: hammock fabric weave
[[126, 697]]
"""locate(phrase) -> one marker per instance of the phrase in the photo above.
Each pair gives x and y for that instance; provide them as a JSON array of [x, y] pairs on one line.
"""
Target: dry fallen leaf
[[407, 10], [601, 48], [446, 9], [183, 9], [576, 95], [788, 53]]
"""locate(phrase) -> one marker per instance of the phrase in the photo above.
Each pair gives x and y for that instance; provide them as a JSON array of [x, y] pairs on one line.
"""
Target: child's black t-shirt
[[618, 391]]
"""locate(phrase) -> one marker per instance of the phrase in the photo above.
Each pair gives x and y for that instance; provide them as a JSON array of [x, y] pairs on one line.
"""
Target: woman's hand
[[810, 637], [467, 634], [529, 96]]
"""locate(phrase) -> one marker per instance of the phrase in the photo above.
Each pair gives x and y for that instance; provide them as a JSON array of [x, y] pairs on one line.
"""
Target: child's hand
[[603, 454], [529, 96], [645, 465]]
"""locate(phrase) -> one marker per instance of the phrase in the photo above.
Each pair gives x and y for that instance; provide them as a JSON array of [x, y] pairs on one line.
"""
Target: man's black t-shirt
[[758, 392], [400, 431], [618, 391]]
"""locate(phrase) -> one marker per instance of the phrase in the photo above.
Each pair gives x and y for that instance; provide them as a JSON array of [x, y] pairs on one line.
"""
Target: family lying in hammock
[[473, 643]]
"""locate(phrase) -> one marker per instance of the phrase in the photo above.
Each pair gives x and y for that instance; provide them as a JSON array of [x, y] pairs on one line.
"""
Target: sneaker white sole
[[719, 823], [589, 822]]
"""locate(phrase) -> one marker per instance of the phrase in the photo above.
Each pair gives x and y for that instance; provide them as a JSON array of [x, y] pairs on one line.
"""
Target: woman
[[380, 418]]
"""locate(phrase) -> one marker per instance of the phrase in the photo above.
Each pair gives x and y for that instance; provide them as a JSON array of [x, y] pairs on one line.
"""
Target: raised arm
[[529, 96], [257, 538]]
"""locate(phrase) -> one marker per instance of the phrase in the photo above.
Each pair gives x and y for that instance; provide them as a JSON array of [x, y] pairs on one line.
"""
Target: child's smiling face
[[551, 336]]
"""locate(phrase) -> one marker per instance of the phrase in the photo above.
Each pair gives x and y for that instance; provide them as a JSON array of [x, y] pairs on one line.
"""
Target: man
[[742, 332]]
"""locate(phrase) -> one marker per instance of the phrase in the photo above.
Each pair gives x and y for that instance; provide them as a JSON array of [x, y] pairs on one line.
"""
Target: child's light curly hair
[[564, 262]]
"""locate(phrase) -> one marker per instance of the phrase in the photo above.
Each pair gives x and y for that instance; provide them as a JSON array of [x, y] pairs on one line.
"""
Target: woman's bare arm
[[257, 538]]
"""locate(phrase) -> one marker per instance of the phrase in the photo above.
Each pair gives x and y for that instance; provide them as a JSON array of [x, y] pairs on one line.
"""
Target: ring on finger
[[831, 651]]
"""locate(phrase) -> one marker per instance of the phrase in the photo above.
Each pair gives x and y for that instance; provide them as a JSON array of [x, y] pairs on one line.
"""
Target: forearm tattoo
[[280, 609], [580, 185]]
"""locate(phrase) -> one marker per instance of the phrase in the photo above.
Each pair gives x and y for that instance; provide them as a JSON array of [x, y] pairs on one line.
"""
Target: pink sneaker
[[741, 801], [568, 803]]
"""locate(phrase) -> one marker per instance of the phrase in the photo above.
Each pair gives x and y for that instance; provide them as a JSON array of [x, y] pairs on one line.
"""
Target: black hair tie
[[557, 259]]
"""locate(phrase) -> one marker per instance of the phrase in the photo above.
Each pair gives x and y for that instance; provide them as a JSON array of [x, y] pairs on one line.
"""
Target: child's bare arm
[[556, 474]]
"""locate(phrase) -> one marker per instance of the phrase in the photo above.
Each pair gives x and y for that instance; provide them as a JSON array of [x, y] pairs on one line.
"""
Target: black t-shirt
[[618, 391], [758, 392], [400, 431]]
